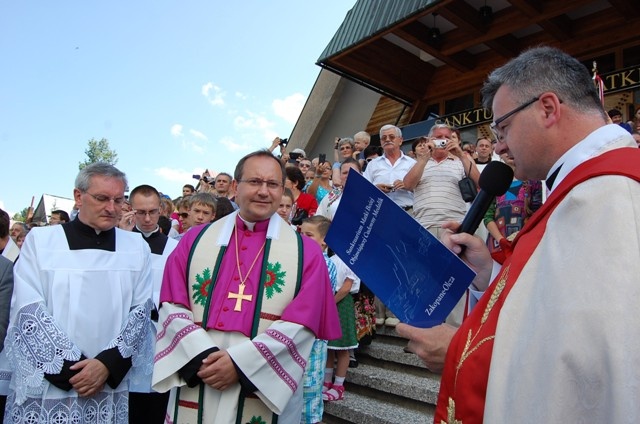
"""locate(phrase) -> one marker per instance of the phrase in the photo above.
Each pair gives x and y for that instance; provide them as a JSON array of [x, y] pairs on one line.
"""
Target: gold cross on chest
[[239, 297]]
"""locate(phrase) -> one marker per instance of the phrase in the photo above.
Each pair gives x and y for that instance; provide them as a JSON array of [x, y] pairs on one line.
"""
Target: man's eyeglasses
[[257, 183], [101, 198], [497, 131], [388, 137], [152, 212]]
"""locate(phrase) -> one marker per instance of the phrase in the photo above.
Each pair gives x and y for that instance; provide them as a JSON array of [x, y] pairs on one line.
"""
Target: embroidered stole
[[466, 374], [277, 288]]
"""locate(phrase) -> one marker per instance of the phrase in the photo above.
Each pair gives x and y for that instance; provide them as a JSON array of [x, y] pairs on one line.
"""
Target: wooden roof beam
[[506, 46], [463, 16], [388, 67], [415, 33], [626, 8], [506, 22]]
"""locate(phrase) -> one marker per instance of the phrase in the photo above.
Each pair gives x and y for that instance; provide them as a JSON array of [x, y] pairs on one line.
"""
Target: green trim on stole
[[259, 323], [256, 317]]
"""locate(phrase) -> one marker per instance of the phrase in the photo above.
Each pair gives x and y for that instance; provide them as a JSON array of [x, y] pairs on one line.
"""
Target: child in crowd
[[338, 353], [285, 210], [316, 228]]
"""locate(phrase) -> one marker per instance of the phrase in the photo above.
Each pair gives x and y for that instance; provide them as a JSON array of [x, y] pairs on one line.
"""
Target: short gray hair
[[438, 125], [543, 69], [388, 127], [83, 180]]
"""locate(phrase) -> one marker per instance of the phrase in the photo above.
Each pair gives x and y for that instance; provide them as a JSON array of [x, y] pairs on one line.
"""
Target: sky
[[174, 86]]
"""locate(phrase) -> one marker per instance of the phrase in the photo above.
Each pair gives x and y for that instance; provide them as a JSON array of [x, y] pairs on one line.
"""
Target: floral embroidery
[[257, 420], [275, 279], [201, 287]]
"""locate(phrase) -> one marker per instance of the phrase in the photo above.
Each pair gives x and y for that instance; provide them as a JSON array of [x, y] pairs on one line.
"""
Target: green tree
[[99, 151], [21, 216]]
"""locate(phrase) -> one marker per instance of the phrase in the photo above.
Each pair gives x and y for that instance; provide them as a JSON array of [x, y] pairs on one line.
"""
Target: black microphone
[[495, 180]]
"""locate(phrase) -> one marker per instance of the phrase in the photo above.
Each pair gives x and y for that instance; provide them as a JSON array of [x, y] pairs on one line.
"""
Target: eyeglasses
[[183, 215], [497, 131], [101, 198], [388, 137], [304, 165], [152, 212], [345, 148], [257, 183]]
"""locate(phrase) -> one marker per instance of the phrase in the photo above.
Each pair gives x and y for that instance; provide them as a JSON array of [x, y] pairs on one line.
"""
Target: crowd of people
[[226, 304]]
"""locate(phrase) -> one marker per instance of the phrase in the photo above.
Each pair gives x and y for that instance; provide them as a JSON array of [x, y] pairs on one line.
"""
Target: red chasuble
[[464, 379]]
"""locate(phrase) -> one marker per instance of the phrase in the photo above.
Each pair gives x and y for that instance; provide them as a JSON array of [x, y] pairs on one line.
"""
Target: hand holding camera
[[440, 143]]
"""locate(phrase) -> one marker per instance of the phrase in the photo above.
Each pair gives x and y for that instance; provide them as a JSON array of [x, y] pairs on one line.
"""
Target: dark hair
[[190, 187], [144, 190], [416, 142], [614, 112], [223, 208], [372, 150], [351, 161], [296, 176], [237, 174], [222, 174], [4, 223], [164, 222], [64, 216]]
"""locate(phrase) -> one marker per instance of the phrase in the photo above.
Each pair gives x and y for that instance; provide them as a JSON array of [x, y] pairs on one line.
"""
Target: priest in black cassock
[[146, 405], [80, 322]]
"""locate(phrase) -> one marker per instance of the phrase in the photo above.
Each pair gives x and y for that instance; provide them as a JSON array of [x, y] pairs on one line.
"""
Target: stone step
[[392, 353], [357, 408], [422, 388]]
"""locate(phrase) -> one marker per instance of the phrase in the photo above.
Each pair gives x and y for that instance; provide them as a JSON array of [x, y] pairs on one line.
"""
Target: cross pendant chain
[[239, 297]]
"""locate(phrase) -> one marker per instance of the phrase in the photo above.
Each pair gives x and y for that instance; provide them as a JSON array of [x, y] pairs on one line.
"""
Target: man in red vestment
[[552, 339]]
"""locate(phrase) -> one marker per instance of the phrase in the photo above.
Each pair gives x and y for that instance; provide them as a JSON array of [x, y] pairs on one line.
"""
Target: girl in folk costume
[[338, 354], [316, 228]]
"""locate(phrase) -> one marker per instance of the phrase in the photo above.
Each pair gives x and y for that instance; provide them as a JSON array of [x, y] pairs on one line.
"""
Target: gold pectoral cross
[[239, 297]]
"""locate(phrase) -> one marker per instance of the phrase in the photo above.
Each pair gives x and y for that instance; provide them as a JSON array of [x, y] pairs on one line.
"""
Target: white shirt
[[381, 171]]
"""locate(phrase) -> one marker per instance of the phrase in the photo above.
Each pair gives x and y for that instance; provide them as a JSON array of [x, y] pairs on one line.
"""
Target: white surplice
[[67, 302]]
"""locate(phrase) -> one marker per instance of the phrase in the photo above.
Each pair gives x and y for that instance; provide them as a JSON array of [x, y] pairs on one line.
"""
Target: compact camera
[[284, 142], [440, 143]]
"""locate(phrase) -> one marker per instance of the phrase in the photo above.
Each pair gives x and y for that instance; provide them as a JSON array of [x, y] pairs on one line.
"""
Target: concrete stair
[[388, 387]]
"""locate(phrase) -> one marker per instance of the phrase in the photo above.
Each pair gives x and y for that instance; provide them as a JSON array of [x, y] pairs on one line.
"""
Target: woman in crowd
[[343, 149], [321, 184], [305, 204]]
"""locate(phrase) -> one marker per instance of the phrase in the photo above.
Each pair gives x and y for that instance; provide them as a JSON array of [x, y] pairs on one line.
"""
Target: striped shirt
[[437, 196]]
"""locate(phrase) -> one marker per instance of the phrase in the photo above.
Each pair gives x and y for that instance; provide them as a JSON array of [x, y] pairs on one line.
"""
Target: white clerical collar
[[275, 223], [147, 234], [599, 141], [250, 225]]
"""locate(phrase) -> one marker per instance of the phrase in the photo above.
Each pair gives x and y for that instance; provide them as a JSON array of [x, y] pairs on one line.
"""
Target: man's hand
[[476, 254], [127, 222], [218, 371], [398, 185], [430, 344], [91, 378], [385, 188], [454, 148]]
